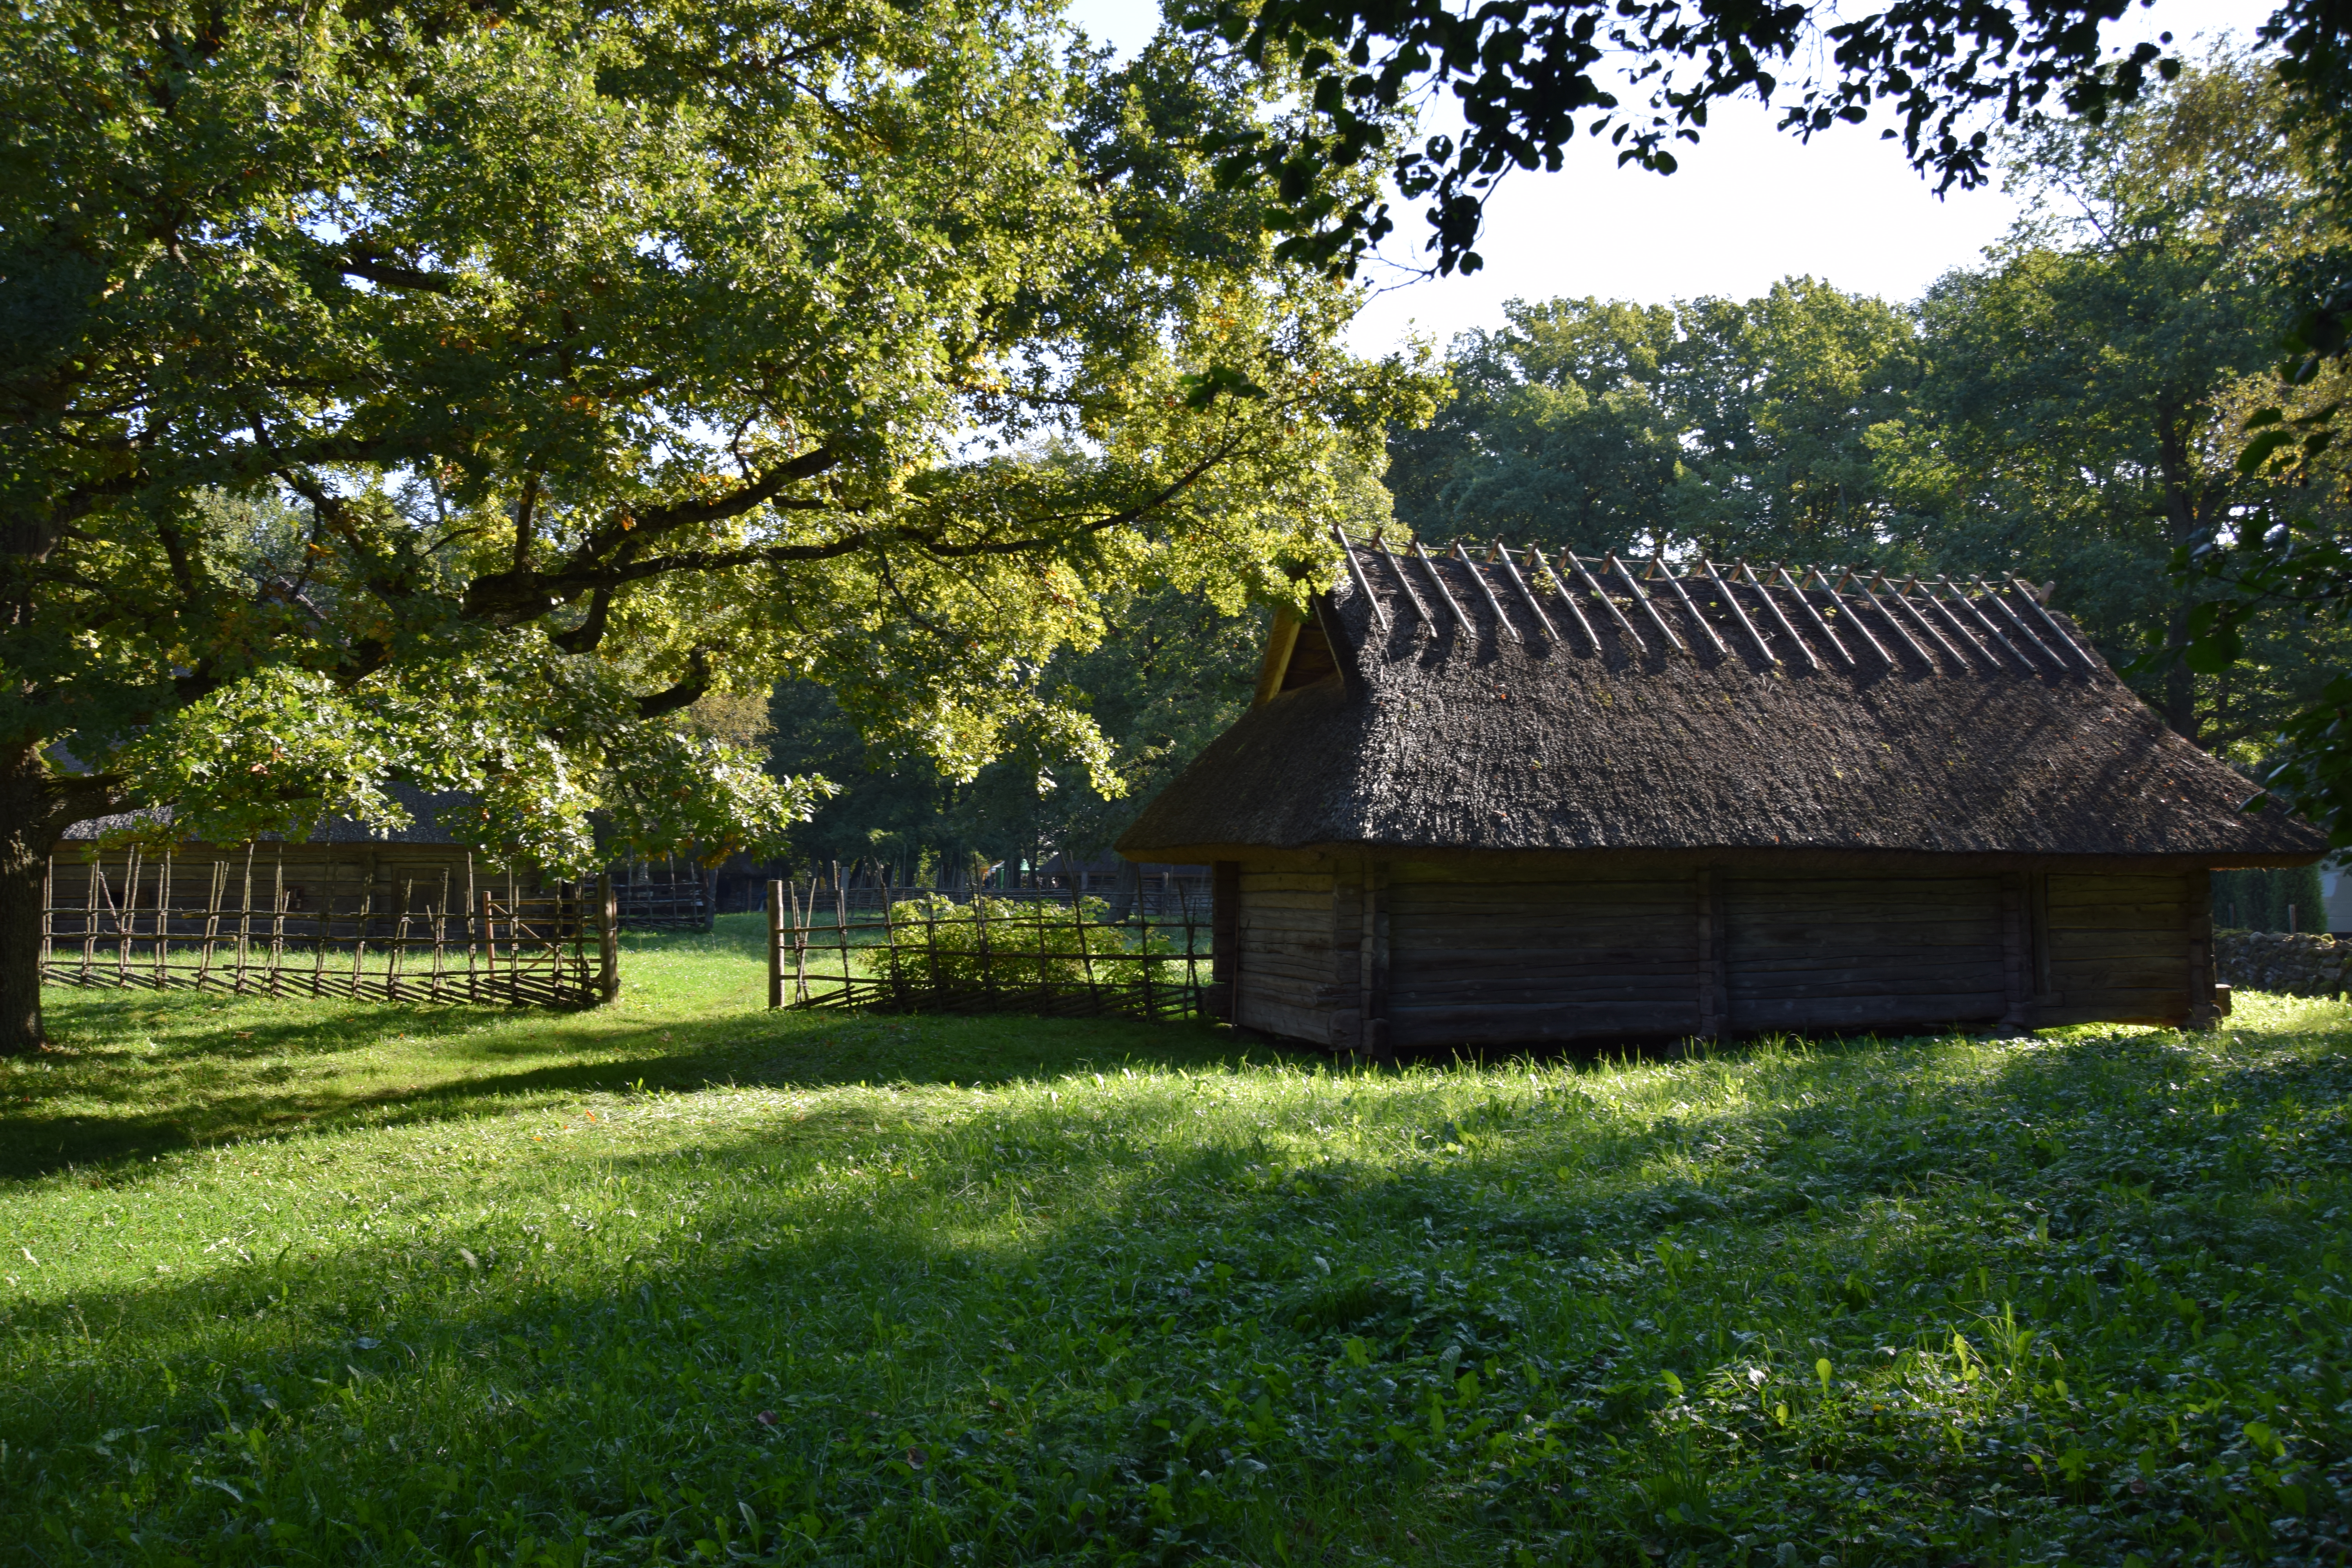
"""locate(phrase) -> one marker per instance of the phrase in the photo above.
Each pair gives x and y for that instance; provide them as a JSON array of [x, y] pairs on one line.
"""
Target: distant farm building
[[1490, 799]]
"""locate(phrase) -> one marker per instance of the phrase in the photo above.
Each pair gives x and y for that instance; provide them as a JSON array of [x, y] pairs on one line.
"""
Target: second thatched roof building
[[1486, 801]]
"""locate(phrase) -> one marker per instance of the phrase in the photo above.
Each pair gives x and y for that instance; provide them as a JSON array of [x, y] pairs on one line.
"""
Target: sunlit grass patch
[[685, 1280]]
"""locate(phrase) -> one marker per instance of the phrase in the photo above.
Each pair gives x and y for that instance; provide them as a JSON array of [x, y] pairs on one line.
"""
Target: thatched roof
[[1511, 703], [425, 808]]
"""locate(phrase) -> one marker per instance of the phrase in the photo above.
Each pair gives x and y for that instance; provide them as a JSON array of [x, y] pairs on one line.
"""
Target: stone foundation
[[2296, 965]]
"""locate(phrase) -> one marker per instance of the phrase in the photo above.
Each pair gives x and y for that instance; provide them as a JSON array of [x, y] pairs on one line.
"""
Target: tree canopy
[[454, 394]]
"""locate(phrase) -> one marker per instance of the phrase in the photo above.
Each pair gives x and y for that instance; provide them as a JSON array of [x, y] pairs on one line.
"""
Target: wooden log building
[[1488, 798]]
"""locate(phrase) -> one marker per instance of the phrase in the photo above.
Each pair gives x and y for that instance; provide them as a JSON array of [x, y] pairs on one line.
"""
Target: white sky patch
[[1750, 207]]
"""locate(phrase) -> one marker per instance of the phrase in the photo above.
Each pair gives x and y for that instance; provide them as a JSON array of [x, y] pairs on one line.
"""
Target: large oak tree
[[453, 392]]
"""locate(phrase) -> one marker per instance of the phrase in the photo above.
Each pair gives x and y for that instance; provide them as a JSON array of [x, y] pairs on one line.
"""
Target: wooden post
[[2016, 957], [775, 943], [801, 923], [1086, 956], [277, 922], [1191, 960], [841, 932], [473, 936], [1712, 1023], [212, 922], [90, 879], [1373, 983], [244, 921], [489, 939], [608, 938], [987, 967], [360, 918], [2201, 949], [48, 894], [163, 924], [126, 919], [399, 941], [440, 935]]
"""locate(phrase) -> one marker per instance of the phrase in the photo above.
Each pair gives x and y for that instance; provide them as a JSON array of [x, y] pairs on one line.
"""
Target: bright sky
[[1748, 206]]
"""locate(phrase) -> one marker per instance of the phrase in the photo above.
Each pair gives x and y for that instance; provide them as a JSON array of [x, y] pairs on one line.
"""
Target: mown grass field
[[683, 1282]]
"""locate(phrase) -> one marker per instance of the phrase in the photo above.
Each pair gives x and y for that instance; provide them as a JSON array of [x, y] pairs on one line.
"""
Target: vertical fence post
[[126, 920], [212, 922], [244, 922], [163, 924], [277, 923], [95, 875], [48, 896], [841, 931], [326, 924], [608, 938], [488, 939], [801, 923], [775, 943]]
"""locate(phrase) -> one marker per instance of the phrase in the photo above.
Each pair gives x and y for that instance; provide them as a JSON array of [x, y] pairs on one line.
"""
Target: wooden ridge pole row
[[1938, 623]]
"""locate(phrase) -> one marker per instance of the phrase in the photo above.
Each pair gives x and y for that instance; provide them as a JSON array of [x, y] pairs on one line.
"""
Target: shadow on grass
[[263, 1072], [920, 1373]]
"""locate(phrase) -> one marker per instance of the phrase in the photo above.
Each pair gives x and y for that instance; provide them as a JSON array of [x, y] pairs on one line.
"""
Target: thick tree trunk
[[20, 947], [36, 806]]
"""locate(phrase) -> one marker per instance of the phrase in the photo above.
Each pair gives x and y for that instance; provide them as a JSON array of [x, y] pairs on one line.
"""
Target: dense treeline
[[2069, 411]]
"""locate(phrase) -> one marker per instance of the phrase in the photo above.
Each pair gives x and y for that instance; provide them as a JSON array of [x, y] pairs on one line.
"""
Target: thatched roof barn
[[1495, 798]]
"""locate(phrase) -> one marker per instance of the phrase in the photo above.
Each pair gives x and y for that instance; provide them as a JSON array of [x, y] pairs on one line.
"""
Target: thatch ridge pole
[[1854, 620], [1570, 598], [1812, 614], [1780, 617], [1502, 554], [2033, 602], [1535, 559], [1895, 621], [1444, 593], [1924, 624], [1999, 639], [1593, 587], [1901, 592], [1968, 638], [1658, 566], [1348, 554], [1648, 608], [1404, 582], [1732, 602], [2035, 642], [1502, 621]]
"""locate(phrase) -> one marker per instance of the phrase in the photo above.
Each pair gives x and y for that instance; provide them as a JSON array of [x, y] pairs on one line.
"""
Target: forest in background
[[2070, 411]]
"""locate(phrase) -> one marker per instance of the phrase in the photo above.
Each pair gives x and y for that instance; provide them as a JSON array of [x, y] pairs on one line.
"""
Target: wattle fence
[[925, 952], [219, 926]]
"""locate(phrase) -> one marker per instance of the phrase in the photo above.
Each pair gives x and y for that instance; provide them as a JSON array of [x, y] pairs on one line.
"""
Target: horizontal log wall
[[1413, 955], [2117, 950], [1863, 952], [1288, 959], [1539, 960]]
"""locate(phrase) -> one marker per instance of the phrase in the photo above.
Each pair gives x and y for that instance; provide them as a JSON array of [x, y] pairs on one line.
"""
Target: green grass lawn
[[681, 1280]]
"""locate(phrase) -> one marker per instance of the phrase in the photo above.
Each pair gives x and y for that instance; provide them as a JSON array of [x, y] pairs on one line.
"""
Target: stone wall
[[2289, 965]]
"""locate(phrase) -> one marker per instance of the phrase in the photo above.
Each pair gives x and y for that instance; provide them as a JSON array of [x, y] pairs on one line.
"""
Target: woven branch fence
[[220, 927], [924, 952]]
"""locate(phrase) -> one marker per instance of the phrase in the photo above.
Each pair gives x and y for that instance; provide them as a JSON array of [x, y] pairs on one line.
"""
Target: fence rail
[[924, 952], [158, 925]]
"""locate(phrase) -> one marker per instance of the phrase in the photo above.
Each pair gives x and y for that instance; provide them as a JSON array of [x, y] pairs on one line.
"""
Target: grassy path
[[681, 1280]]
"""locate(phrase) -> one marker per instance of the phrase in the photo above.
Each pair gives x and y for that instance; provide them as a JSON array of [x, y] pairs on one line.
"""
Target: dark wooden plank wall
[[1472, 964], [2118, 947], [1387, 955], [1863, 952], [1287, 956]]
